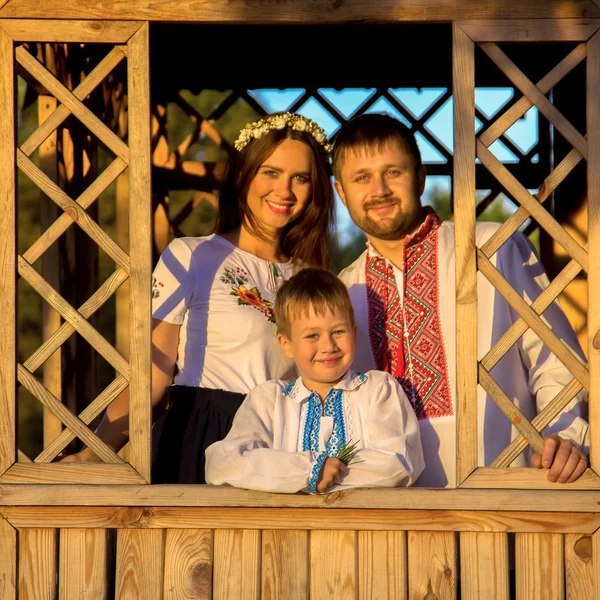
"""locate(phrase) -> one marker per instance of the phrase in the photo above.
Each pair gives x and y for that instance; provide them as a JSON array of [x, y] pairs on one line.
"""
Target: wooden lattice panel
[[130, 43], [471, 259]]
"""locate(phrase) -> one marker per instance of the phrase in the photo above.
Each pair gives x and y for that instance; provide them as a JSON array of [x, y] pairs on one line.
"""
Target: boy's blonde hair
[[314, 287]]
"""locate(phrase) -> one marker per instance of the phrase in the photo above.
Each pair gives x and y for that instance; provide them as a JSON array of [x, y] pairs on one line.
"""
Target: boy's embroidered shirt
[[527, 369], [222, 297], [282, 434]]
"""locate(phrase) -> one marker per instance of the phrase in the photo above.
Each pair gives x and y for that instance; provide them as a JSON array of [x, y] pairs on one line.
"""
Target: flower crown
[[255, 130]]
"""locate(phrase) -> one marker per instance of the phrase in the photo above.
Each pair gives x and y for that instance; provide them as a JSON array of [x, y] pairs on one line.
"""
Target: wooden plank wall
[[148, 562]]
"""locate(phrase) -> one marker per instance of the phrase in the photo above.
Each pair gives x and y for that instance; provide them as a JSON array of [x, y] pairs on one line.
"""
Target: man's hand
[[331, 472], [565, 461]]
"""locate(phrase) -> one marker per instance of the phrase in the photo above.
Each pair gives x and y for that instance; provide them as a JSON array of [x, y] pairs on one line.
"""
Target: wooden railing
[[154, 542]]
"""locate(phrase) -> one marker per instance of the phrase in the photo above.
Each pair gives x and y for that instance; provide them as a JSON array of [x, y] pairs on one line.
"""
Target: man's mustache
[[377, 203]]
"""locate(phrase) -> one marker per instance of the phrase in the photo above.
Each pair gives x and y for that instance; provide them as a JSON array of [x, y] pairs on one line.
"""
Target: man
[[403, 291]]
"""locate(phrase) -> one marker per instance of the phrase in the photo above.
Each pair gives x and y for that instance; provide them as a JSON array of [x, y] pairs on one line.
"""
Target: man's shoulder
[[355, 271]]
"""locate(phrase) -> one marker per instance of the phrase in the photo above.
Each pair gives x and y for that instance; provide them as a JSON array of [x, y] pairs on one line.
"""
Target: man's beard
[[387, 228]]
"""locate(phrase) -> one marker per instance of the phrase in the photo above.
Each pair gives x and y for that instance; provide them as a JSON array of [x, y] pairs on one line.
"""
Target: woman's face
[[282, 188]]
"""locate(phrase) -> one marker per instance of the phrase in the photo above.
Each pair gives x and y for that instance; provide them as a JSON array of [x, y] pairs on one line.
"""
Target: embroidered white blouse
[[529, 373], [222, 297], [282, 434]]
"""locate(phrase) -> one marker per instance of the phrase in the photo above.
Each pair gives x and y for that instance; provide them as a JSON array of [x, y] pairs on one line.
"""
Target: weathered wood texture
[[8, 564], [315, 11], [285, 565], [432, 558], [140, 564], [539, 569], [579, 573], [38, 572], [556, 498], [333, 565], [382, 568], [236, 569], [140, 245], [8, 374], [188, 564], [484, 566], [83, 564], [593, 175], [463, 74]]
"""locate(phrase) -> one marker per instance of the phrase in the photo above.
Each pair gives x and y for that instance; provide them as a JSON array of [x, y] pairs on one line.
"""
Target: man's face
[[382, 190]]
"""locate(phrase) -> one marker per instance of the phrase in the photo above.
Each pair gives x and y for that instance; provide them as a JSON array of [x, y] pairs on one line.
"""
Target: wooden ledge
[[565, 500]]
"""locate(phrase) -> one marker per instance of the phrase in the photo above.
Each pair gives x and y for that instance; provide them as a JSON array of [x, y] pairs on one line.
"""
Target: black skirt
[[195, 419]]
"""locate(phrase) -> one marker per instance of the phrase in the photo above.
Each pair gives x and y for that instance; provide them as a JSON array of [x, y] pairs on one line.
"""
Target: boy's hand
[[565, 461], [331, 472], [85, 455]]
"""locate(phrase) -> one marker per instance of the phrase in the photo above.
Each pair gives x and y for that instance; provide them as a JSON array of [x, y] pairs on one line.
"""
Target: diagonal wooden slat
[[536, 97], [87, 416], [534, 321], [540, 304], [86, 116], [512, 224], [88, 308], [540, 421], [22, 457], [535, 209], [108, 63], [515, 416], [86, 199], [66, 416], [74, 210], [517, 110], [76, 319]]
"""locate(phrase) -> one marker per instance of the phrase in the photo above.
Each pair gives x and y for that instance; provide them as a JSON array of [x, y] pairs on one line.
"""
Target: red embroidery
[[426, 380]]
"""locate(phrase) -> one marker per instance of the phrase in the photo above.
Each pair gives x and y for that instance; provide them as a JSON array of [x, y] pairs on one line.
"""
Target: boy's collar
[[298, 392]]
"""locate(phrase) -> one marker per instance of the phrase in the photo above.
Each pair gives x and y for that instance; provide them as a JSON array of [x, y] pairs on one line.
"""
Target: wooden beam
[[303, 11], [70, 473], [8, 564], [524, 478], [85, 32], [8, 234], [530, 30], [593, 192], [484, 565], [301, 519], [140, 251], [463, 56], [562, 498]]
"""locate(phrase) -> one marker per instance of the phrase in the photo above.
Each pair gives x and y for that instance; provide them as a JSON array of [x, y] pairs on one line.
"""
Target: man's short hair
[[314, 287], [372, 131]]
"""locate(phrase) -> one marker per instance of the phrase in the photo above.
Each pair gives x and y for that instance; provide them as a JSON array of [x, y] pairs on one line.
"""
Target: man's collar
[[298, 392], [430, 224]]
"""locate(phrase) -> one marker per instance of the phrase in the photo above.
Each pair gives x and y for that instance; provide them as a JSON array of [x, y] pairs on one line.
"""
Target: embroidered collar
[[298, 392], [428, 227]]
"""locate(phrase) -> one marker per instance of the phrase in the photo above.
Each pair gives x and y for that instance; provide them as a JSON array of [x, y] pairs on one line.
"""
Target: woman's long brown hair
[[307, 239]]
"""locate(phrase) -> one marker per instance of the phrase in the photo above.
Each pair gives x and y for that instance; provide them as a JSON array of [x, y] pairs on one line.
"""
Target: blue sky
[[416, 101]]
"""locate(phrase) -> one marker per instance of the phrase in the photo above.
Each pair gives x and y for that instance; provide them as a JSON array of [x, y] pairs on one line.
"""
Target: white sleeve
[[246, 459], [547, 375], [173, 282], [393, 455]]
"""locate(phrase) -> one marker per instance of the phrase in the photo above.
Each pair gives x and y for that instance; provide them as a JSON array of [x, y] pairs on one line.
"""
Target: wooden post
[[140, 251], [49, 212], [466, 267], [593, 128], [8, 375]]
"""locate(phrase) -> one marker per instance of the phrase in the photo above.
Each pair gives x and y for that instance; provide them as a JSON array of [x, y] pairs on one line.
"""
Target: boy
[[286, 437]]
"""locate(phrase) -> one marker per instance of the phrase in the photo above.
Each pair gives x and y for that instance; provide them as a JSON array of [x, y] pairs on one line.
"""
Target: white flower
[[320, 137], [260, 131], [243, 136], [279, 123], [299, 125]]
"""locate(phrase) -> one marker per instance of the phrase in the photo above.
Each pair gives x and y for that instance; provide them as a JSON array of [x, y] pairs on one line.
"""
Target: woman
[[212, 296]]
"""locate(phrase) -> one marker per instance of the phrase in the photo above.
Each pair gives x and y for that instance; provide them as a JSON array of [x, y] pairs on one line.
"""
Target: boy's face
[[322, 346]]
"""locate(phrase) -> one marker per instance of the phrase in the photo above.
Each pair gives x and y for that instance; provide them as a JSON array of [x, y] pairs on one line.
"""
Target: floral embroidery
[[156, 285], [247, 296]]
